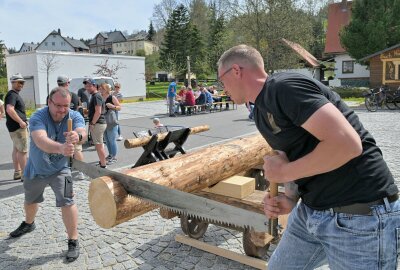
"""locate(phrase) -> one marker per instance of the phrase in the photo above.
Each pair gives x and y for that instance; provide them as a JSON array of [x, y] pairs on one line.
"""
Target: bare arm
[[97, 114], [2, 112], [115, 105], [13, 114], [339, 143]]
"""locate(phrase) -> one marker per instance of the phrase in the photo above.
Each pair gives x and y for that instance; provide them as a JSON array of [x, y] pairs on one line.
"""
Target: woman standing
[[111, 133]]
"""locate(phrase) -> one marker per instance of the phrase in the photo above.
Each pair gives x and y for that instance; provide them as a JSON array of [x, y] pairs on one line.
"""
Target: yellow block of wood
[[235, 186]]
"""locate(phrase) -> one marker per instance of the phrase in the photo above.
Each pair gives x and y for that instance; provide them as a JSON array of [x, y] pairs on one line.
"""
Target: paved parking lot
[[146, 242]]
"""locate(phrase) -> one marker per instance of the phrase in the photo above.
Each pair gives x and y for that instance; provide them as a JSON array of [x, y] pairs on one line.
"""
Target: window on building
[[348, 67], [62, 43], [45, 44], [53, 43], [390, 71]]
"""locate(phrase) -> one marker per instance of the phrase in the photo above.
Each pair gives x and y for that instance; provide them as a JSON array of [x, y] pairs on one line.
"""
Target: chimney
[[59, 31]]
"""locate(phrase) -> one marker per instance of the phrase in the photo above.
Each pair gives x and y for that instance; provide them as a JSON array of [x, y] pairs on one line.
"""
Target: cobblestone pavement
[[147, 242]]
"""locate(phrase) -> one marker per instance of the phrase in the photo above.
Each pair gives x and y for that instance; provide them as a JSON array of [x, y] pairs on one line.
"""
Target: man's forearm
[[13, 114], [47, 145]]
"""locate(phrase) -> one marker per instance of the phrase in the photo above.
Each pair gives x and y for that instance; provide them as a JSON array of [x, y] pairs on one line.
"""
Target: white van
[[77, 83]]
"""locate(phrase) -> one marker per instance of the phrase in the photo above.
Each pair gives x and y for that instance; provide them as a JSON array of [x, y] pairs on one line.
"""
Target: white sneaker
[[81, 176], [120, 138]]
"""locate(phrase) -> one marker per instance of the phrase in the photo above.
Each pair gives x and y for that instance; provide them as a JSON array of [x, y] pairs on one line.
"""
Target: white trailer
[[32, 65]]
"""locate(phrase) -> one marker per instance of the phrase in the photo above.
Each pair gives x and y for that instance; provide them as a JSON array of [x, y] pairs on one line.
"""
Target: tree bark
[[110, 204], [136, 142]]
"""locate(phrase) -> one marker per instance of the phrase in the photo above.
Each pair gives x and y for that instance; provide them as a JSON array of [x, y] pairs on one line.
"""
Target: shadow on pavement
[[6, 166], [9, 261]]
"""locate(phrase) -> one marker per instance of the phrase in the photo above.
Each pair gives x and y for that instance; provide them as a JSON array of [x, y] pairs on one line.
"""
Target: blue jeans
[[119, 128], [111, 136], [344, 241]]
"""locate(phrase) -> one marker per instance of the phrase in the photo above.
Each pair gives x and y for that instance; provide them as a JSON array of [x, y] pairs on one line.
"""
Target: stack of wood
[[110, 204]]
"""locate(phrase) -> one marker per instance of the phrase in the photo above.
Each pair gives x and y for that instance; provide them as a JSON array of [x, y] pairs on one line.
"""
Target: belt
[[363, 208]]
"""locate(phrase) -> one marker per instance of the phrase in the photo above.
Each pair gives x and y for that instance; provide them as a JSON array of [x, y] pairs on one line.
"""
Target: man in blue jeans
[[349, 213]]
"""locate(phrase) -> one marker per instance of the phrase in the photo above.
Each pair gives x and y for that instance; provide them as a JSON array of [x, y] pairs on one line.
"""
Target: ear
[[237, 70]]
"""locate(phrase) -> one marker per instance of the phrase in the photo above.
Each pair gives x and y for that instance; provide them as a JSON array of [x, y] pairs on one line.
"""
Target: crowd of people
[[186, 97], [52, 145]]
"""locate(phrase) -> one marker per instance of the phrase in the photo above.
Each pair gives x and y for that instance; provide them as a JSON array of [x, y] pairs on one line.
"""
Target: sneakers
[[23, 229], [81, 176], [99, 164], [110, 161], [17, 175], [73, 250], [120, 138]]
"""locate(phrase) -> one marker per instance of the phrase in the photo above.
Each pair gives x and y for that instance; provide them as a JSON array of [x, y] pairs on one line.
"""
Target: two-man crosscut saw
[[179, 201]]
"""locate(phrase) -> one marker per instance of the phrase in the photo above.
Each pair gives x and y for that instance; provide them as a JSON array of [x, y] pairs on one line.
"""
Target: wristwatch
[[80, 136]]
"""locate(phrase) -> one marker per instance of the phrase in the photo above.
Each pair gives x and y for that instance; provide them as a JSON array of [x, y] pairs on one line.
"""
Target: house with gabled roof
[[384, 66], [103, 42], [347, 71], [134, 43], [28, 47], [56, 42]]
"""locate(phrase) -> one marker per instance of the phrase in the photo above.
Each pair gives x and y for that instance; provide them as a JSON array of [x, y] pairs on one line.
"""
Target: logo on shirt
[[272, 124]]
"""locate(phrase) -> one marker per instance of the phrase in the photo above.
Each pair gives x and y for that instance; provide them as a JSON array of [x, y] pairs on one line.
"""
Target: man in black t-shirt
[[97, 122], [17, 124], [349, 213]]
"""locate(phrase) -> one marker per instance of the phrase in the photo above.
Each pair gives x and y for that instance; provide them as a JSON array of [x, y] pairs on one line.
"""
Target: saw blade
[[179, 201]]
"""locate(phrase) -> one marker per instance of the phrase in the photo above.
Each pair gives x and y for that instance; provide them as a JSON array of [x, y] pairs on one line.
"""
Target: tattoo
[[291, 190]]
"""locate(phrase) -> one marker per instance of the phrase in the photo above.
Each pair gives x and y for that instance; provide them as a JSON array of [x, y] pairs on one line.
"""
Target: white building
[[32, 66], [56, 42], [28, 47]]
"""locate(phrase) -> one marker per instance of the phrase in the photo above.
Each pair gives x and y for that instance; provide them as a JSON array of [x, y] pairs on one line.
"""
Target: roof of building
[[110, 37], [142, 35], [338, 16], [76, 43], [380, 52], [303, 53], [34, 45]]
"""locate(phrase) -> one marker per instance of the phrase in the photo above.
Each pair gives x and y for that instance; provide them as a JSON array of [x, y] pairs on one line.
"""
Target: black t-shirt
[[74, 101], [13, 98], [84, 95], [285, 103], [96, 100]]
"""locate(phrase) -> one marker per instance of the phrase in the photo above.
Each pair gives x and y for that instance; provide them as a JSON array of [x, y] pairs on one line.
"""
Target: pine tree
[[373, 27], [3, 70], [216, 38], [151, 32], [181, 39]]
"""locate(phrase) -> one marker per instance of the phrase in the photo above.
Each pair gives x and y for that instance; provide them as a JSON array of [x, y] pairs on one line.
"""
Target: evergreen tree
[[216, 38], [373, 27], [3, 70], [151, 32], [181, 39]]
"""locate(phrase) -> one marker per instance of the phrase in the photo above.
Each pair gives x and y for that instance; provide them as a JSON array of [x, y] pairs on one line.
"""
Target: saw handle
[[69, 130]]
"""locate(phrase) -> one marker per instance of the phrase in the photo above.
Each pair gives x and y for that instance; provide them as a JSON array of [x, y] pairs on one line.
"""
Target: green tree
[[181, 39], [151, 65], [217, 37], [151, 32], [373, 27], [3, 70]]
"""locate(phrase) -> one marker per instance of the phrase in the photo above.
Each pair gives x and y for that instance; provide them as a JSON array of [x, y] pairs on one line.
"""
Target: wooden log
[[136, 142], [110, 205]]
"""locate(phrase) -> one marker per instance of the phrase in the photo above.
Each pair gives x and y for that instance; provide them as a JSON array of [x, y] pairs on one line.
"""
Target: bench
[[219, 104]]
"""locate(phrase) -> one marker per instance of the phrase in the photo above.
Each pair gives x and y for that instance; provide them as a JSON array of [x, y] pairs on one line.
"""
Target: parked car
[[77, 83]]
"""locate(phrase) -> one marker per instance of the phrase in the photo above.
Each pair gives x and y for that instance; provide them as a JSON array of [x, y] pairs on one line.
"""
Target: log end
[[102, 203]]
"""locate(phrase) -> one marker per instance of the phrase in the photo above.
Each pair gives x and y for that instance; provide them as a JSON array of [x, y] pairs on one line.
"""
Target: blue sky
[[32, 20]]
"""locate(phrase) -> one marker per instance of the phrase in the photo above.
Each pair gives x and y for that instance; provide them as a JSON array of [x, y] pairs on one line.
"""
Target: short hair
[[117, 84], [241, 54], [63, 92]]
